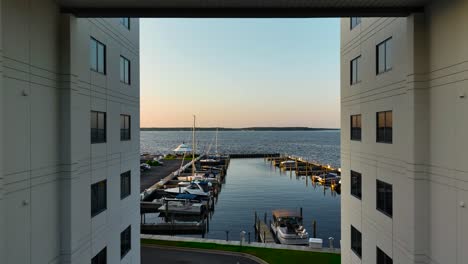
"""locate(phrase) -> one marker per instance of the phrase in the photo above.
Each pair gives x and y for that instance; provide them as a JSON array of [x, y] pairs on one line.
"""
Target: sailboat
[[197, 188]]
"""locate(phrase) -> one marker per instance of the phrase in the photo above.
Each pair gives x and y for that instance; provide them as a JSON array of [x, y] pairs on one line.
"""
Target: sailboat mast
[[216, 141], [193, 147]]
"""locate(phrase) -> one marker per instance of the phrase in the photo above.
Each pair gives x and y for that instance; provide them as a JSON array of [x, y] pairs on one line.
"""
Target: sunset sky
[[239, 72]]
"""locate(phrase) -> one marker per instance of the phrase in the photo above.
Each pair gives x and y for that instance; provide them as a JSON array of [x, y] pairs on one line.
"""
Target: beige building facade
[[405, 183], [50, 158]]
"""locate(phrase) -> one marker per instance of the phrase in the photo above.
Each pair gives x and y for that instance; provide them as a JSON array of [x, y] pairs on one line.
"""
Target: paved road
[[149, 178], [171, 255]]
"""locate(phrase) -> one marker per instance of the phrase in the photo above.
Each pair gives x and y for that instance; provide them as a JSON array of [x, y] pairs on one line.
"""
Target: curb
[[209, 251]]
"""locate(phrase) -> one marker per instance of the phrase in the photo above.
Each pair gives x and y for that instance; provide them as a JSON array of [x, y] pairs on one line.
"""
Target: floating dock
[[262, 230]]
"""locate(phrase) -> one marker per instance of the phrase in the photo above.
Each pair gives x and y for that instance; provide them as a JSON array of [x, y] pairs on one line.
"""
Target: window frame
[[126, 70], [125, 236], [104, 57], [354, 79], [125, 130], [356, 175], [125, 21], [387, 42], [357, 22], [97, 259], [386, 258], [387, 136], [358, 250], [125, 189], [387, 208], [354, 135], [95, 139], [99, 206]]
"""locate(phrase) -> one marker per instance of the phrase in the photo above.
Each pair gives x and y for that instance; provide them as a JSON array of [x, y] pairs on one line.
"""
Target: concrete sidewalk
[[166, 254]]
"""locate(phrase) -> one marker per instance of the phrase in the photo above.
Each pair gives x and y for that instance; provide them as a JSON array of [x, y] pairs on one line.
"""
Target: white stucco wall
[[47, 94]]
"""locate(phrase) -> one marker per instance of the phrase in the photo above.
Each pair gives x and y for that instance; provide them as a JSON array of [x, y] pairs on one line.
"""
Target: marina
[[226, 202]]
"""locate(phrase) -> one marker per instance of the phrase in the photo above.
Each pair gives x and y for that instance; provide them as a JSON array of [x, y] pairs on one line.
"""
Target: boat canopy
[[282, 213], [182, 148], [186, 196]]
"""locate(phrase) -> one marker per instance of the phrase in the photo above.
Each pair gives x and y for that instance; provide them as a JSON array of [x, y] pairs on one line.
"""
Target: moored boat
[[196, 188], [288, 229]]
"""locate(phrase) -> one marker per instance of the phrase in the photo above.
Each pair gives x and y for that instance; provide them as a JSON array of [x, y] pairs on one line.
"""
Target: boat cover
[[186, 196], [281, 213]]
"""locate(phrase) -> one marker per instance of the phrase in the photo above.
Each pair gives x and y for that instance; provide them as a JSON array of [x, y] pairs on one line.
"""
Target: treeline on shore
[[236, 129]]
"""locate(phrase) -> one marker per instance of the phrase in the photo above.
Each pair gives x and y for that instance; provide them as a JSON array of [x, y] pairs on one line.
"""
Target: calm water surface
[[321, 146], [254, 185]]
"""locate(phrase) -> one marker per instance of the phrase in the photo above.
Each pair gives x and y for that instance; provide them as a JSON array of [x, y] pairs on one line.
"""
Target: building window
[[98, 197], [385, 127], [385, 198], [124, 70], [98, 56], [383, 258], [384, 56], [354, 21], [125, 179], [124, 127], [125, 21], [356, 241], [125, 242], [98, 127], [356, 184], [354, 71], [100, 258], [356, 127]]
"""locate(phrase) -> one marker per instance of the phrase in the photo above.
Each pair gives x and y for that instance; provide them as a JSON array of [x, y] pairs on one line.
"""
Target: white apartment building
[[404, 120], [69, 187]]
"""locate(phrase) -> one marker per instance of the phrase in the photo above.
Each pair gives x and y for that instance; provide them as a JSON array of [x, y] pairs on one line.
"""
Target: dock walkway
[[263, 231]]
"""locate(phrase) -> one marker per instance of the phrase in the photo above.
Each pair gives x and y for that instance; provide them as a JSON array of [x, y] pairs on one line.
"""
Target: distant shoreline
[[237, 129]]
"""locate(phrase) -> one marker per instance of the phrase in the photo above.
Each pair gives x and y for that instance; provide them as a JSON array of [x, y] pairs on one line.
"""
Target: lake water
[[321, 146], [253, 185]]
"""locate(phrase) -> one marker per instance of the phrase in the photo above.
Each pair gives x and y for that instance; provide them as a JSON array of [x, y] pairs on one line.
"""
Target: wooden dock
[[263, 231]]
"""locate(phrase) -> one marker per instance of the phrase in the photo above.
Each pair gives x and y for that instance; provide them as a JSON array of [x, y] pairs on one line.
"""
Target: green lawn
[[272, 256]]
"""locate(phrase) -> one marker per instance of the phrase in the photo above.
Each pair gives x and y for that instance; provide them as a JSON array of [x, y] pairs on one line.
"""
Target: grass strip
[[272, 256]]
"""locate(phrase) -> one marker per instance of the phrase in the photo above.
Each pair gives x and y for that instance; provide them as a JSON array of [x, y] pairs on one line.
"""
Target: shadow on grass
[[272, 256]]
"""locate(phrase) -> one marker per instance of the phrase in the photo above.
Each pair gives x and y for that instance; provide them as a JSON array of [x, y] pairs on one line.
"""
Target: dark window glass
[[383, 258], [385, 198], [356, 241], [125, 242], [98, 127], [125, 127], [356, 184], [125, 21], [354, 71], [125, 179], [98, 197], [124, 70], [384, 56], [356, 127], [97, 56], [384, 127], [354, 21], [100, 258]]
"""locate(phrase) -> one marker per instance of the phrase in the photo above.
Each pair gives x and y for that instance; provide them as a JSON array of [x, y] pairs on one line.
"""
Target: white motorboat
[[181, 206], [288, 164], [288, 229], [328, 178], [194, 188]]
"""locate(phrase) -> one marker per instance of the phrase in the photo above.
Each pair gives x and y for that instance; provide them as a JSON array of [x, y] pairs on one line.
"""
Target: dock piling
[[314, 227]]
